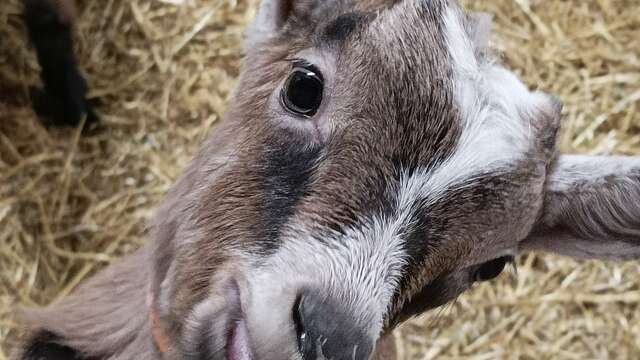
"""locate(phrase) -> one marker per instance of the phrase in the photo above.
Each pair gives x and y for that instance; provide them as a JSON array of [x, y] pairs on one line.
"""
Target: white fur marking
[[491, 101]]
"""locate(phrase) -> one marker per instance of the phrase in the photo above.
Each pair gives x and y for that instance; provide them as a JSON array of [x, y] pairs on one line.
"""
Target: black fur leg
[[43, 346], [63, 101]]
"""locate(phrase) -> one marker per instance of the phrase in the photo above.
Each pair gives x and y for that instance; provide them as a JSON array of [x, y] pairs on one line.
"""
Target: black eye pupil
[[302, 93], [491, 269]]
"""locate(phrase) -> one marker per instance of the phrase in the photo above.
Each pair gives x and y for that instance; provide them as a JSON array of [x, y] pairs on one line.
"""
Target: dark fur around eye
[[491, 269], [447, 287], [437, 293]]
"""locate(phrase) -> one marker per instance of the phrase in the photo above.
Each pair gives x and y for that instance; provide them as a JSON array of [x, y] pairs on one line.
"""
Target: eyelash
[[296, 61], [302, 63]]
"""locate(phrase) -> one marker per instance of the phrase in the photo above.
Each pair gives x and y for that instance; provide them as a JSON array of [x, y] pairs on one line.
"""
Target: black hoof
[[63, 110], [62, 101]]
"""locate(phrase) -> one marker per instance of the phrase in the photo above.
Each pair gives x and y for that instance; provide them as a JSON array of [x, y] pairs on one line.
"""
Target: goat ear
[[271, 18], [47, 346], [274, 16], [591, 208]]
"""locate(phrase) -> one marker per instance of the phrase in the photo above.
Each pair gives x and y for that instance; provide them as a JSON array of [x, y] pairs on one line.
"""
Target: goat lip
[[238, 347], [238, 343]]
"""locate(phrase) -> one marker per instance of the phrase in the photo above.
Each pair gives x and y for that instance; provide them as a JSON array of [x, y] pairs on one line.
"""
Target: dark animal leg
[[44, 347], [63, 101]]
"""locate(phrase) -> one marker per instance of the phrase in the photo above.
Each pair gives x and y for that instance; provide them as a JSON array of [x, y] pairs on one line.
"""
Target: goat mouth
[[238, 345]]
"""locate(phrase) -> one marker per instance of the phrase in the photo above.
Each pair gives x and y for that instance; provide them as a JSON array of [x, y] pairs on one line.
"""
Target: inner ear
[[275, 13], [272, 15], [46, 345]]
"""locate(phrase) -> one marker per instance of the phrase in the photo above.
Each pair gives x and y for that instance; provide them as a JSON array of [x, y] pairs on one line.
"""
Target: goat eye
[[491, 269], [302, 92], [301, 334]]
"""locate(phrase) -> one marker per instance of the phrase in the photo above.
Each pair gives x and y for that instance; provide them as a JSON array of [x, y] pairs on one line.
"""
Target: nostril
[[298, 322], [326, 330]]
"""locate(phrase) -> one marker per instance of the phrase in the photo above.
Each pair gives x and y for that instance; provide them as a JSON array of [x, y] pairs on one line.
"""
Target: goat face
[[373, 164]]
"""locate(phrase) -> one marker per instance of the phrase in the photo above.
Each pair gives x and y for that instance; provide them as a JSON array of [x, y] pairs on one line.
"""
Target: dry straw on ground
[[71, 205]]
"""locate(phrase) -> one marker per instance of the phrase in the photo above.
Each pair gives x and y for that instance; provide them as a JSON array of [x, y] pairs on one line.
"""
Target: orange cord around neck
[[160, 338]]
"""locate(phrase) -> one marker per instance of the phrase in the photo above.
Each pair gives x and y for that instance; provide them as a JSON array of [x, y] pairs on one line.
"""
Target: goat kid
[[63, 101], [374, 163]]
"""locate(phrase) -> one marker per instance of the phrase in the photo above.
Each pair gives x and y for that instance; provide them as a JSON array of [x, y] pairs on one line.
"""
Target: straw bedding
[[70, 205]]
